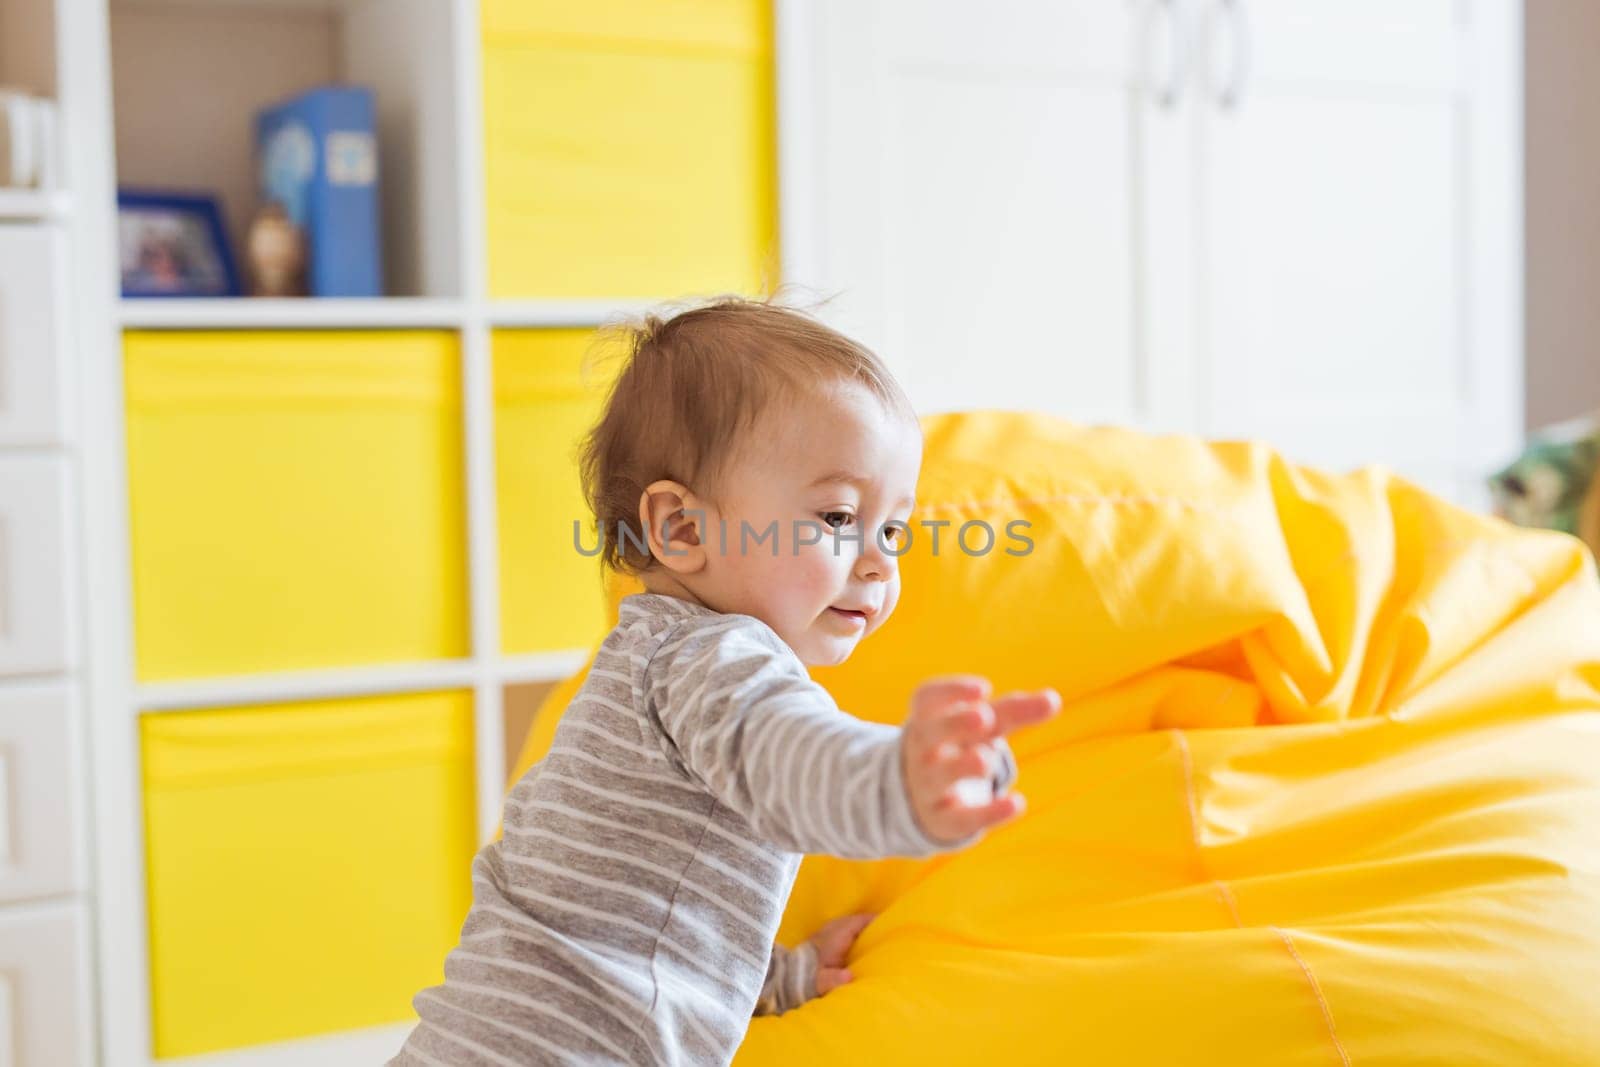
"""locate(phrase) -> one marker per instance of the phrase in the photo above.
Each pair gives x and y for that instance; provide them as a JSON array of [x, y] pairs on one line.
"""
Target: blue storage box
[[318, 157]]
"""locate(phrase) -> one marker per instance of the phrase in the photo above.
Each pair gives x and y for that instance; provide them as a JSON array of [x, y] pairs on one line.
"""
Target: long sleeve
[[791, 980], [746, 721]]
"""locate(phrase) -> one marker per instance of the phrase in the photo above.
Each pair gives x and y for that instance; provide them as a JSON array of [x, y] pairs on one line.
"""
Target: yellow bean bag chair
[[1325, 790]]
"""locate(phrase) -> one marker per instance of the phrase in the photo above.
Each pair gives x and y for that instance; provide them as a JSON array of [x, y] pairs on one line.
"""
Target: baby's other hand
[[948, 737], [832, 944]]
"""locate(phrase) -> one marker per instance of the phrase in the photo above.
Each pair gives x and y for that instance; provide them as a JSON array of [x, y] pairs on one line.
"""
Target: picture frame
[[172, 244]]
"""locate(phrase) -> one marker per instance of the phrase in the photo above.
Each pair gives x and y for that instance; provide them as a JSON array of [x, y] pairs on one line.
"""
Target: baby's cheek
[[793, 585], [817, 566], [891, 598]]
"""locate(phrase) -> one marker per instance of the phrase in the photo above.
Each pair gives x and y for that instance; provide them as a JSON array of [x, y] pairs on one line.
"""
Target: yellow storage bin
[[296, 500], [630, 147], [551, 596], [308, 864]]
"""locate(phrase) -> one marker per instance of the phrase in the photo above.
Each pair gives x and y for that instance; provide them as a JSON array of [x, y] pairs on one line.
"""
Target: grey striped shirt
[[628, 913]]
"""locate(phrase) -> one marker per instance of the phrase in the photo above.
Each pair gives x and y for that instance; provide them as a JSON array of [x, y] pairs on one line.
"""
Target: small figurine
[[276, 252]]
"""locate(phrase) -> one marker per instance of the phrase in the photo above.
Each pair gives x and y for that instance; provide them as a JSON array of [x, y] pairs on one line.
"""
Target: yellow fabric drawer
[[308, 864], [630, 148], [296, 500], [551, 596]]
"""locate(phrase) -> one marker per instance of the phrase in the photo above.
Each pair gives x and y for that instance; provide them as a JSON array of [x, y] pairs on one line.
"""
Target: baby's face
[[841, 461]]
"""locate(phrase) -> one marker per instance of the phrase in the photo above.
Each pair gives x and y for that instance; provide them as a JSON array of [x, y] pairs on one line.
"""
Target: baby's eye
[[896, 532], [844, 517]]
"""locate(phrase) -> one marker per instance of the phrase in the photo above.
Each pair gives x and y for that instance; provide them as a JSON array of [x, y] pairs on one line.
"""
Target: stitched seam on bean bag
[[1224, 894], [1316, 991]]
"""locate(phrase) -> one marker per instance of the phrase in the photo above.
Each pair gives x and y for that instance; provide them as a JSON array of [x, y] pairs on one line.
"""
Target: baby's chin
[[829, 651]]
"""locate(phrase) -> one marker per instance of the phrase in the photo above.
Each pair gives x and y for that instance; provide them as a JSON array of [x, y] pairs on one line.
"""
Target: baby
[[750, 467]]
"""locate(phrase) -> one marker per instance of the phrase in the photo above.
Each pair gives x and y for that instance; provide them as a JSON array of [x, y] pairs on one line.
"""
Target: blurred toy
[[1555, 483], [276, 251]]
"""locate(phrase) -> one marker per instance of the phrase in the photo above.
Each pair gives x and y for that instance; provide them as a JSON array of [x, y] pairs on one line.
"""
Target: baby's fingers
[[937, 693], [955, 764], [833, 941], [1016, 710], [960, 723], [972, 723], [958, 821], [831, 978]]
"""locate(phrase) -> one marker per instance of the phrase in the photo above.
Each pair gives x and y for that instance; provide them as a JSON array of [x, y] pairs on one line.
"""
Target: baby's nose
[[876, 562]]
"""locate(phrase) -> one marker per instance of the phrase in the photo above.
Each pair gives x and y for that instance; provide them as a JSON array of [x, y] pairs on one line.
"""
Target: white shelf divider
[[25, 205], [392, 312], [118, 994], [478, 413], [286, 686], [322, 7], [540, 666], [372, 1045], [291, 313], [529, 314]]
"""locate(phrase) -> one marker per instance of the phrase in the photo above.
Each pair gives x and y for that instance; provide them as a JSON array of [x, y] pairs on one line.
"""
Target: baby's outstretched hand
[[949, 736]]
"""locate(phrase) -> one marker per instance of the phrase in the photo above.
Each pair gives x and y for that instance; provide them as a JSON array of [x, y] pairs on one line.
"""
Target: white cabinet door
[[31, 267], [983, 196], [43, 1016], [1338, 233], [33, 585], [38, 833]]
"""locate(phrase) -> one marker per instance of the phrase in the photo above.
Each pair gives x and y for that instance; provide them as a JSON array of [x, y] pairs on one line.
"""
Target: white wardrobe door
[[1336, 231], [981, 188]]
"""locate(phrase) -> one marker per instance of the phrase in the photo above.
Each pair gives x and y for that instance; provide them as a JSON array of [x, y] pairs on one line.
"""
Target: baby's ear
[[673, 521]]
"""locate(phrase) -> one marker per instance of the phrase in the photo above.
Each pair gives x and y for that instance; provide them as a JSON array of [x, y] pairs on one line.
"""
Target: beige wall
[[187, 84], [1563, 208], [27, 56]]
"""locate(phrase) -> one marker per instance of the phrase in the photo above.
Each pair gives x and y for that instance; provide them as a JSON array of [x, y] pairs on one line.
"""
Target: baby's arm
[[791, 980], [748, 723]]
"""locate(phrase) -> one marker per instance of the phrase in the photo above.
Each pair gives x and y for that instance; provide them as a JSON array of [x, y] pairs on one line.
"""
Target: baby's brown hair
[[691, 389]]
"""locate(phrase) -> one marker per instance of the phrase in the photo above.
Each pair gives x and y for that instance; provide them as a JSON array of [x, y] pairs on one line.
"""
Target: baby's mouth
[[847, 613]]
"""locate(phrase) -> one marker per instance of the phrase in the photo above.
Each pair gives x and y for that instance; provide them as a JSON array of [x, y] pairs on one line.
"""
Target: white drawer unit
[[31, 266], [42, 1011], [38, 840], [33, 544]]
